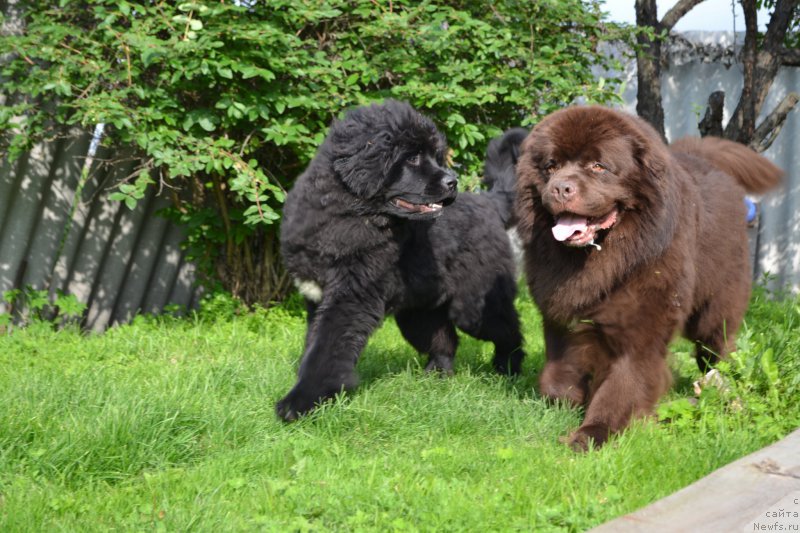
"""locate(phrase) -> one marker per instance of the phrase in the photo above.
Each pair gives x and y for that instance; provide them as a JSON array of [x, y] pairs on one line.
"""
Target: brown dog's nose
[[563, 189]]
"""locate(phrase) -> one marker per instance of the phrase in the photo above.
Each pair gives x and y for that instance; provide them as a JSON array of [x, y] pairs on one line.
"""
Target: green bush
[[758, 385], [29, 305], [225, 104]]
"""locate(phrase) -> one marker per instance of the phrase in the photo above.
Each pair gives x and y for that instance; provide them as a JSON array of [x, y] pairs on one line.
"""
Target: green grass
[[169, 425]]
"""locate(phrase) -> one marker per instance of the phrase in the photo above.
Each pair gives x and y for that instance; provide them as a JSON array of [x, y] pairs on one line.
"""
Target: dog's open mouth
[[405, 205], [413, 208], [576, 230]]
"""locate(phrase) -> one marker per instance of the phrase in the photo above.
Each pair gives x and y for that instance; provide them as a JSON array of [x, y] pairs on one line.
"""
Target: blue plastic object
[[752, 209]]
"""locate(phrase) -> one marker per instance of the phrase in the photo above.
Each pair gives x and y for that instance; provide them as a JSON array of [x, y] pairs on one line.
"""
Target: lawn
[[168, 424]]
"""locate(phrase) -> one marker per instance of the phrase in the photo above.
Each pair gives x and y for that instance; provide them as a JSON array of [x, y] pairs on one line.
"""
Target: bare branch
[[790, 57], [712, 121], [742, 124], [761, 61], [779, 21], [677, 12], [769, 129]]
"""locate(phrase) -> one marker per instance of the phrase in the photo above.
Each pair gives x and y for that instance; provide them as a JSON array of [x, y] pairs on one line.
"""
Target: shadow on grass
[[388, 354]]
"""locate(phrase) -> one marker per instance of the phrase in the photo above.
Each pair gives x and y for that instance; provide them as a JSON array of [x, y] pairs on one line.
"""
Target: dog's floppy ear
[[649, 150], [364, 172], [514, 138], [653, 160], [358, 180], [515, 153]]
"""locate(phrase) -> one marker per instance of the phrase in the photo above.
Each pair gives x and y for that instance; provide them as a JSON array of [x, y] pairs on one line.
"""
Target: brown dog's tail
[[753, 172]]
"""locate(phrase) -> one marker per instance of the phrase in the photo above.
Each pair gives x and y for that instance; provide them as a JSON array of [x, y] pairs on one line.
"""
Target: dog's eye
[[414, 160], [597, 167], [550, 167]]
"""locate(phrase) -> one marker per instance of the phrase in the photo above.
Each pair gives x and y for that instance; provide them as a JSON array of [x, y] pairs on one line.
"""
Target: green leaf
[[352, 79], [206, 124], [769, 367], [189, 6]]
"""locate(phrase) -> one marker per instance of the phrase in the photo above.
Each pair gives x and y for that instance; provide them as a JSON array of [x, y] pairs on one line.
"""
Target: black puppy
[[500, 167], [500, 177], [369, 230]]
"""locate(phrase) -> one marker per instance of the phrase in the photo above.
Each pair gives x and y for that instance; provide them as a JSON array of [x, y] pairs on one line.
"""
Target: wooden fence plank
[[760, 492]]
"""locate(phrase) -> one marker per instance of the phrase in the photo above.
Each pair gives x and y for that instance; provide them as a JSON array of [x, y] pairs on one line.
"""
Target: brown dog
[[626, 243]]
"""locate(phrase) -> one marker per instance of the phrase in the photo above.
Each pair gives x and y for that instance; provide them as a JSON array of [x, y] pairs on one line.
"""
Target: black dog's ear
[[515, 138], [361, 178], [364, 162]]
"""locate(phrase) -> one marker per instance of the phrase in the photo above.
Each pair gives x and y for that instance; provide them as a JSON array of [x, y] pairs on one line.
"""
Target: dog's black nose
[[449, 181], [563, 189]]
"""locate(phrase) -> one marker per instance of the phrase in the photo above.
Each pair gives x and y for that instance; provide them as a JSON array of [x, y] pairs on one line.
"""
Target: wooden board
[[760, 492]]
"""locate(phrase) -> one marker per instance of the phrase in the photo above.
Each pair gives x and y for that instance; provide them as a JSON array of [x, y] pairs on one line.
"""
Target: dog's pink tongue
[[567, 225]]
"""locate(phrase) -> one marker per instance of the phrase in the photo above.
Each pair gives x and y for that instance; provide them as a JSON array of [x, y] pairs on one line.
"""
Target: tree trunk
[[761, 62], [648, 64]]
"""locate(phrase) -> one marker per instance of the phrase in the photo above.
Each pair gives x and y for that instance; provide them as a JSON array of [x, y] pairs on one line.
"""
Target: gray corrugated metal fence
[[59, 233]]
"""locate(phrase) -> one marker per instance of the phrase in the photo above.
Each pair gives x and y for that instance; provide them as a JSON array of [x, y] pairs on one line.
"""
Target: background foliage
[[225, 104]]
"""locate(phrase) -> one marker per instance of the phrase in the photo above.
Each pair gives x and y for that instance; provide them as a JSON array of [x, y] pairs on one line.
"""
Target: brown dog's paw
[[588, 436]]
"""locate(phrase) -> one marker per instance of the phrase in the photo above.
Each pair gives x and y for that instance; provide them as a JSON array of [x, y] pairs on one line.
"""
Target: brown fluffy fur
[[674, 260]]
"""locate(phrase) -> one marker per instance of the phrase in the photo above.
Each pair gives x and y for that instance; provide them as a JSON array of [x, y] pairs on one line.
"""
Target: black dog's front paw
[[296, 404], [509, 364], [303, 399], [440, 363]]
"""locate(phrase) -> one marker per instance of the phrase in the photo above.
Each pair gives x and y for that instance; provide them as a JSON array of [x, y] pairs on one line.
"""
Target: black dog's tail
[[499, 171], [752, 171]]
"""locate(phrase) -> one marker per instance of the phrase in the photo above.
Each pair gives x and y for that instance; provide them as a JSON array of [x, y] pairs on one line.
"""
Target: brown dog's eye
[[550, 167], [598, 167], [414, 160]]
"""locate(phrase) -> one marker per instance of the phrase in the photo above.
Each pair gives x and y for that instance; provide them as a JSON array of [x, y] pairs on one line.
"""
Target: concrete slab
[[760, 492]]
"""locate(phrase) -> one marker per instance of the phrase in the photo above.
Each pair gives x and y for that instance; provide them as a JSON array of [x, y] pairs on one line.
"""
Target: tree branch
[[761, 62], [677, 12], [790, 57], [712, 121], [779, 22], [769, 129], [743, 121]]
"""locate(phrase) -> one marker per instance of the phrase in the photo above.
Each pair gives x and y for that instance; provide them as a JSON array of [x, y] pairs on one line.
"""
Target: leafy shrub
[[224, 103], [759, 383], [29, 305]]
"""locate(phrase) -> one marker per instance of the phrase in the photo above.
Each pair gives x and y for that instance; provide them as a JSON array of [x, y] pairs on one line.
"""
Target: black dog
[[369, 230], [500, 170], [500, 177]]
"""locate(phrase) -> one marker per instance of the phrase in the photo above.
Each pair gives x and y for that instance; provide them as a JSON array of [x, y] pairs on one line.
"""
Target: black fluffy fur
[[500, 177], [500, 170], [435, 267]]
